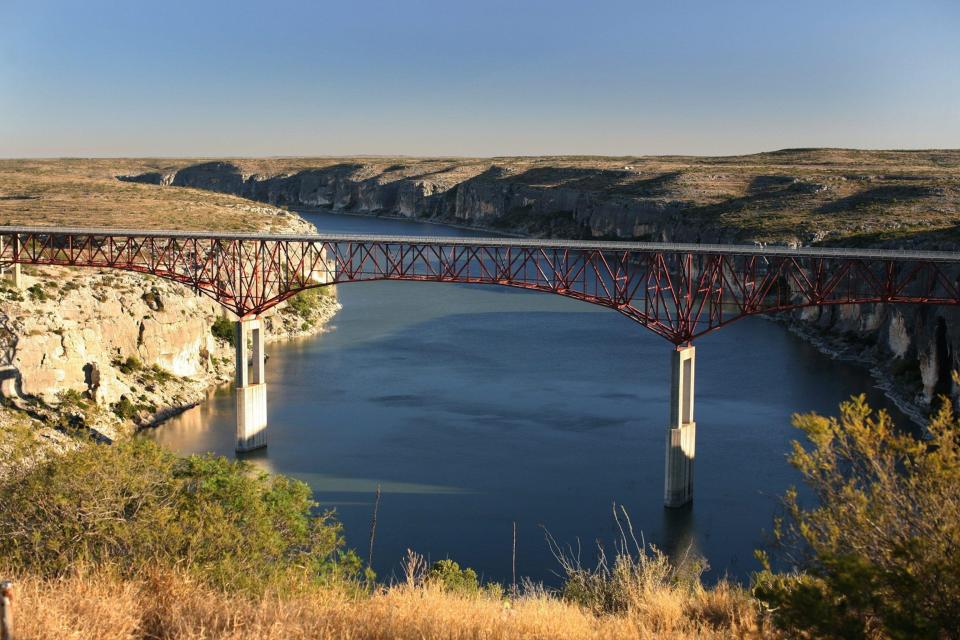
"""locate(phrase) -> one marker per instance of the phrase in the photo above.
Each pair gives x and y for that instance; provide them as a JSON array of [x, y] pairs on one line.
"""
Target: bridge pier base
[[251, 390], [682, 432], [12, 271]]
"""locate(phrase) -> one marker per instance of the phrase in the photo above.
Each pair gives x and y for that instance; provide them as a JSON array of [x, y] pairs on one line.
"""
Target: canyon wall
[[140, 347], [914, 348]]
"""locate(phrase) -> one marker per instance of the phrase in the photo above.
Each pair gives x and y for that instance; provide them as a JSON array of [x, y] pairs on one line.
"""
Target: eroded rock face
[[75, 330], [919, 343], [78, 320], [898, 338]]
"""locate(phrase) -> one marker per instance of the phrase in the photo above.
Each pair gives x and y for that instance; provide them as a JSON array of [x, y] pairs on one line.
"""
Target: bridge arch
[[678, 291]]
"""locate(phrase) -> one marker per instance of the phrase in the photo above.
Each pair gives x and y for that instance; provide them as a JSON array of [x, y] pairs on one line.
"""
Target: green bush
[[223, 330], [159, 374], [129, 365], [37, 293], [132, 505], [305, 303], [452, 578], [876, 555], [74, 413], [124, 409]]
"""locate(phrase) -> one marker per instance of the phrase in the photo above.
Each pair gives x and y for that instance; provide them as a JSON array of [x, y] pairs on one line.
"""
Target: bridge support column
[[682, 432], [251, 390], [12, 272]]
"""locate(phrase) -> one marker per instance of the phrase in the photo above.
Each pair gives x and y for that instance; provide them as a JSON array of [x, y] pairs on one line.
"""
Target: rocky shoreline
[[103, 353], [836, 348]]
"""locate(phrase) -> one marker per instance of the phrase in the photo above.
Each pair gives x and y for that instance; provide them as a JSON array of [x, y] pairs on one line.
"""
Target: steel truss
[[679, 292]]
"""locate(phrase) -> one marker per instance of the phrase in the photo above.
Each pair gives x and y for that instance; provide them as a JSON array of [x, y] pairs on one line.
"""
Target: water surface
[[475, 407]]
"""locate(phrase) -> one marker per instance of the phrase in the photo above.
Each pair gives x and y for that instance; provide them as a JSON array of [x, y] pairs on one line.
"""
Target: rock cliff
[[139, 347], [793, 197]]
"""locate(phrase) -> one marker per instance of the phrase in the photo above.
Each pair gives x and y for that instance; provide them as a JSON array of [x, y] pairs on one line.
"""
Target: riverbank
[[903, 395]]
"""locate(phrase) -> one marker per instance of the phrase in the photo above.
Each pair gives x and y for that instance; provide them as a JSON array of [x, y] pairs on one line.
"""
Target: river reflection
[[475, 407]]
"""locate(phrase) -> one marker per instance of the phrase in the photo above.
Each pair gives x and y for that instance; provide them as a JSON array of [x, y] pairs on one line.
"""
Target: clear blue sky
[[492, 77]]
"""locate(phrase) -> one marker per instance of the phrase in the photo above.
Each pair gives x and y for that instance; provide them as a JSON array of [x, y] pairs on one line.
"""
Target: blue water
[[475, 407]]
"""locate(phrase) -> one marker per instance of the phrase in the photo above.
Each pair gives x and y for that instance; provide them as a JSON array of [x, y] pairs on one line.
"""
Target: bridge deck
[[649, 247]]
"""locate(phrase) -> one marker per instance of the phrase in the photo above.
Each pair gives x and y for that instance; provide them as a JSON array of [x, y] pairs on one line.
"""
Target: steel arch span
[[678, 291]]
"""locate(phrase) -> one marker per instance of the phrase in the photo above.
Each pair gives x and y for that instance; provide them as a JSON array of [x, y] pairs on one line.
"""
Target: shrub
[[37, 293], [452, 578], [134, 505], [130, 365], [305, 303], [222, 329], [124, 409], [878, 550], [636, 572], [74, 412], [159, 374]]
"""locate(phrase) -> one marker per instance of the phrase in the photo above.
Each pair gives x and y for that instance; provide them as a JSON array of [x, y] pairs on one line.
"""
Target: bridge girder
[[679, 292]]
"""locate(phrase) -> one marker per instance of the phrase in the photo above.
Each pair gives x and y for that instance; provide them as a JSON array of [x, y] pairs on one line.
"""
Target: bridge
[[678, 291]]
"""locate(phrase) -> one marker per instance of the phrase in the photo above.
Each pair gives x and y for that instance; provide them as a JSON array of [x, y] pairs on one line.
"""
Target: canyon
[[792, 197]]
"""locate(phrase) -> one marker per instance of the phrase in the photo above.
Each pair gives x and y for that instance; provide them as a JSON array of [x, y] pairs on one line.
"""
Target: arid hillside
[[78, 192], [794, 196]]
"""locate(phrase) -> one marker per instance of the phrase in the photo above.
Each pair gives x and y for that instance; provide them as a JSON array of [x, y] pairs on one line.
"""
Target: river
[[476, 407]]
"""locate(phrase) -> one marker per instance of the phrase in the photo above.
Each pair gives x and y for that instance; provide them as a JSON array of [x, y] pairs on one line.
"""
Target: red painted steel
[[679, 292]]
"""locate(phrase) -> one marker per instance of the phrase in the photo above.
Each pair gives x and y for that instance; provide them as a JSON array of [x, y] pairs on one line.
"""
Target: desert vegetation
[[85, 192], [131, 541]]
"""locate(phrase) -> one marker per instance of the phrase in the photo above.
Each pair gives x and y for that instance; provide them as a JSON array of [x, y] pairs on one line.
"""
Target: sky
[[477, 78]]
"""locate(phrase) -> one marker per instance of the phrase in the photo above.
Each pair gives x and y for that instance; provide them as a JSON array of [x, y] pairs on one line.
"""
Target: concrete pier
[[682, 432], [12, 271], [251, 389]]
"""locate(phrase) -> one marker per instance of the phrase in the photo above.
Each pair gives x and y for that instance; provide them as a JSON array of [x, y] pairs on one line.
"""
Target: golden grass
[[74, 192], [167, 605]]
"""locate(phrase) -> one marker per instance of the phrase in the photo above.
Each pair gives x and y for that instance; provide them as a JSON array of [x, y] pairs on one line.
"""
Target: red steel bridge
[[678, 291]]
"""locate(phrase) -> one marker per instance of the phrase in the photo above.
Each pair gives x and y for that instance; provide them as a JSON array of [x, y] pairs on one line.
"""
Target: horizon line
[[474, 157]]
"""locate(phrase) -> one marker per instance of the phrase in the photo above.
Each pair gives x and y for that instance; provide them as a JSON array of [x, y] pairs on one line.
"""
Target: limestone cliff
[[139, 346], [793, 197]]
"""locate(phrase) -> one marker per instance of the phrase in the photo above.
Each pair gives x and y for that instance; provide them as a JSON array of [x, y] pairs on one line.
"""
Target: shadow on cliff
[[884, 196], [602, 181]]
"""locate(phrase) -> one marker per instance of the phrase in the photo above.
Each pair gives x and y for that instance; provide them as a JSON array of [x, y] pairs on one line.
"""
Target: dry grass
[[166, 605], [86, 192]]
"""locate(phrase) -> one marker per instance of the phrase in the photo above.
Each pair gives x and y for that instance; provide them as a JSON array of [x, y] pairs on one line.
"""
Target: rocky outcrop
[[138, 347], [489, 199], [916, 347], [912, 351]]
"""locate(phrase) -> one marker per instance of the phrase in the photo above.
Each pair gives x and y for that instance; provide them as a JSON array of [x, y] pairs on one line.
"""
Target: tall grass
[[167, 604], [129, 541]]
